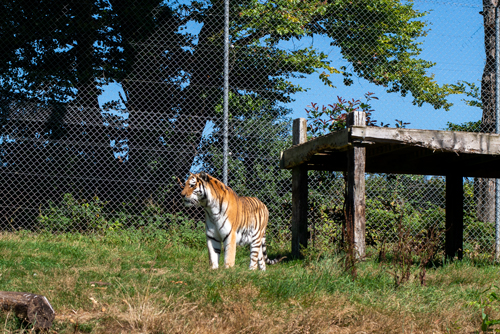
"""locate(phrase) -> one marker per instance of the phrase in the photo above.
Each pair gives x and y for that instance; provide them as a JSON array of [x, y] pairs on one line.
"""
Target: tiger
[[229, 220]]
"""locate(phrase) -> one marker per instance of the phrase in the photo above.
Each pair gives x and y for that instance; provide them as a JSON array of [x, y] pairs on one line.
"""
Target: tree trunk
[[485, 188], [85, 36], [166, 119], [84, 147]]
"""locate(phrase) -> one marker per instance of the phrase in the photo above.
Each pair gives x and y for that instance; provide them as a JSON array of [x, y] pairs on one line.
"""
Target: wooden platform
[[359, 149], [402, 151]]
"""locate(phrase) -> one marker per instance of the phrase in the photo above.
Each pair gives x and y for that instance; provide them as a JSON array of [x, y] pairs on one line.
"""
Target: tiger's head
[[195, 191]]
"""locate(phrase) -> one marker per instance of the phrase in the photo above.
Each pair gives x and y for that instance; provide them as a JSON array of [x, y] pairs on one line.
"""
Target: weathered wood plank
[[445, 141], [299, 129], [454, 234], [300, 233], [451, 141], [300, 154]]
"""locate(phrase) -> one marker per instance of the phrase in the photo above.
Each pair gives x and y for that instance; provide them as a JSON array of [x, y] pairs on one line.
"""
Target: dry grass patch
[[160, 287], [155, 313]]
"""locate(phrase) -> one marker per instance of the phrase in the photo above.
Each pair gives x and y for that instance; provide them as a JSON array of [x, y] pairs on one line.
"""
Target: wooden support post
[[355, 201], [300, 234], [33, 308], [454, 235]]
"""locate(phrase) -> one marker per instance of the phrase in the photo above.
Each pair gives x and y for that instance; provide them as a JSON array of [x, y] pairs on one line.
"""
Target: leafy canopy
[[381, 39]]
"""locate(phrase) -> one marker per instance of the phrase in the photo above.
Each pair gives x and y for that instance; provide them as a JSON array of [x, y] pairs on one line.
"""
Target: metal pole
[[497, 130], [226, 91]]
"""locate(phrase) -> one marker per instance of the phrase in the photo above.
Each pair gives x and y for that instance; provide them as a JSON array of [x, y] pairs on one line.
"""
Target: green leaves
[[333, 117], [471, 90], [283, 19], [382, 40], [486, 321]]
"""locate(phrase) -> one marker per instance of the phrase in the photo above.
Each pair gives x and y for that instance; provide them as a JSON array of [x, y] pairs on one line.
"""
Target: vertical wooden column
[[355, 201], [299, 193], [454, 234]]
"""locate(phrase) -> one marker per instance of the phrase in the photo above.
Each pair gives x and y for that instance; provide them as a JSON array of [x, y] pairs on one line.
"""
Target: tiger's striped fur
[[230, 219]]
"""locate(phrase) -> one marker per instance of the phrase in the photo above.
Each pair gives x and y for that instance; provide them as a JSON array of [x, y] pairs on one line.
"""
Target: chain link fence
[[105, 105]]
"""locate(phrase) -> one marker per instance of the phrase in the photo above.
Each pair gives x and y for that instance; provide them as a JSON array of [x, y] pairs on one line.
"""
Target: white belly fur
[[244, 237], [219, 227]]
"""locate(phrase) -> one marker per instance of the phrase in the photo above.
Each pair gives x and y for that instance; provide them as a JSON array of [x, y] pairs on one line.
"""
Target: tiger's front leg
[[230, 250], [214, 248]]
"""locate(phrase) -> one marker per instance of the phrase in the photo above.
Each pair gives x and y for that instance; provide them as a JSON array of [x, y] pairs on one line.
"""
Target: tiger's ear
[[203, 176]]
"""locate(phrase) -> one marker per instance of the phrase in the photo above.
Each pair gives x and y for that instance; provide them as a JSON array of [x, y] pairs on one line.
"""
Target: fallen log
[[30, 307]]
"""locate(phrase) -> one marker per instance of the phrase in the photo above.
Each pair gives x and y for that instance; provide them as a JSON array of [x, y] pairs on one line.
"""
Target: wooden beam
[[432, 140], [454, 234], [450, 141], [303, 152], [482, 165], [355, 201], [414, 160], [299, 131], [300, 233]]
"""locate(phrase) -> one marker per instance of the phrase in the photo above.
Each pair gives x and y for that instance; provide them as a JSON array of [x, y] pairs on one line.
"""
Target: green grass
[[159, 285]]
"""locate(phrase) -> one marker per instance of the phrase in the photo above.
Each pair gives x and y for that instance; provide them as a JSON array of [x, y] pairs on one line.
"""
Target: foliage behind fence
[[105, 104]]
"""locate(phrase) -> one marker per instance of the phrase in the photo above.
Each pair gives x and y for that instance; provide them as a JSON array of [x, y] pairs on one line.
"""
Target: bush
[[76, 215], [94, 216]]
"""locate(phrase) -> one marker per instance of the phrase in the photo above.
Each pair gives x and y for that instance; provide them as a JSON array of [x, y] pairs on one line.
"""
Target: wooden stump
[[355, 201], [30, 307], [300, 234]]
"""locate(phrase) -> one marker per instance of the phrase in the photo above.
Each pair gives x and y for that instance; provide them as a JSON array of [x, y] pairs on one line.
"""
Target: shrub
[[76, 215]]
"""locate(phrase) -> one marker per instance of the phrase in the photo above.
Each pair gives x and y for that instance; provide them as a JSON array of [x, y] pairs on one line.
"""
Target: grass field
[[157, 284]]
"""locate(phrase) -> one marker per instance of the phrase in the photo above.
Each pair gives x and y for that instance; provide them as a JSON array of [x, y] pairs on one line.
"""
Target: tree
[[378, 38], [484, 98], [172, 76], [55, 58], [485, 188]]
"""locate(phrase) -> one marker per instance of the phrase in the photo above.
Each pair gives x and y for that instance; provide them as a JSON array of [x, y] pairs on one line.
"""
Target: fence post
[[497, 130], [454, 229], [355, 201], [226, 95], [300, 234]]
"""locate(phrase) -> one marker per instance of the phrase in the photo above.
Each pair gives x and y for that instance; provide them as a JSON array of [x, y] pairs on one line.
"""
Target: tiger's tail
[[264, 252]]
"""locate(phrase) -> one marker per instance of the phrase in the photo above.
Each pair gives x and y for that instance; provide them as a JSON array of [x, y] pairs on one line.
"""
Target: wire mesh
[[105, 105]]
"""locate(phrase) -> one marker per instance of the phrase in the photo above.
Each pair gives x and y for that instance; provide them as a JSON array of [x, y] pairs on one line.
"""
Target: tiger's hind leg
[[262, 260], [256, 255]]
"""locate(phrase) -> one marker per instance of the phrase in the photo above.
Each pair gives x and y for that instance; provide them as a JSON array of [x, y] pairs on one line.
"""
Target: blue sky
[[455, 42]]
